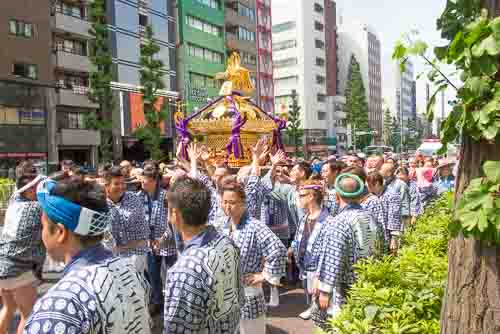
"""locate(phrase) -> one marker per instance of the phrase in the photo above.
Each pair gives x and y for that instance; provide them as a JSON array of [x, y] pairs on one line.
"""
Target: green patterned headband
[[346, 194]]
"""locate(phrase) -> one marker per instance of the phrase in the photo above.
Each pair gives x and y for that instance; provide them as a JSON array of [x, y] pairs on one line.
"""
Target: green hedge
[[6, 188], [402, 294]]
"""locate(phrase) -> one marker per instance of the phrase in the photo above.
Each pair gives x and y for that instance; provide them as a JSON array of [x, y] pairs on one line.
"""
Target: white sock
[[274, 299]]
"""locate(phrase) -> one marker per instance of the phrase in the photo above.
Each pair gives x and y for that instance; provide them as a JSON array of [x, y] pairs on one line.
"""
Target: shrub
[[402, 294]]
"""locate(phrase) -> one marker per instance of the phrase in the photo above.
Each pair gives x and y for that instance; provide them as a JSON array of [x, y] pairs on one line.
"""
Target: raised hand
[[194, 152], [278, 158], [260, 150]]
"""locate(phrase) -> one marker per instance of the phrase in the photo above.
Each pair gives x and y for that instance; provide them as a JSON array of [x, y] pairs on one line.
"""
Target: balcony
[[79, 137], [71, 24], [76, 97], [69, 60], [232, 42]]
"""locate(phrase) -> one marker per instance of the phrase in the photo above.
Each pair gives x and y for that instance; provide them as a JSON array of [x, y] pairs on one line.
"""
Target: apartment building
[[360, 41], [26, 82], [304, 59], [405, 92]]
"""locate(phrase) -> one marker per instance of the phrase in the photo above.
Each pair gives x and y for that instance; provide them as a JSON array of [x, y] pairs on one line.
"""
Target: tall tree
[[356, 107], [471, 303], [387, 135], [294, 129], [152, 82], [101, 76]]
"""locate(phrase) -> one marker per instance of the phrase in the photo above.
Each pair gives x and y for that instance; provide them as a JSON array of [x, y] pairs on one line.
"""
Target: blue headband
[[346, 194], [80, 220]]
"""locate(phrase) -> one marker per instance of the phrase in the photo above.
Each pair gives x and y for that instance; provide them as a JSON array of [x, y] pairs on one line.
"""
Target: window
[[318, 8], [70, 9], [205, 54], [292, 43], [204, 26], [285, 62], [320, 79], [71, 46], [70, 81], [143, 20], [249, 58], [321, 97], [210, 3], [28, 71], [76, 120], [245, 35], [319, 44], [321, 116], [318, 26], [202, 81], [285, 26], [247, 12], [320, 62], [22, 29]]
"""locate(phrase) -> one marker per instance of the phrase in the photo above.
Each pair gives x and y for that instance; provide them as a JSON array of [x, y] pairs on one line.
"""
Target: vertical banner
[[137, 112]]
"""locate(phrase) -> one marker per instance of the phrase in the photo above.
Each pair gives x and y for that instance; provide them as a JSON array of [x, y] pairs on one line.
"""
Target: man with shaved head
[[350, 236]]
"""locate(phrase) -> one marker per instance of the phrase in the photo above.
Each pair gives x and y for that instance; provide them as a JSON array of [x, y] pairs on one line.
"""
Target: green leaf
[[399, 51], [492, 171], [441, 52], [418, 48], [477, 86], [469, 220], [494, 24], [482, 224], [432, 102], [488, 46], [456, 46], [371, 312], [488, 65], [490, 132]]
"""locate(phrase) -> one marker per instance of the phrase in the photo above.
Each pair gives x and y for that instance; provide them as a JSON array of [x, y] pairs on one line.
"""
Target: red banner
[[137, 111]]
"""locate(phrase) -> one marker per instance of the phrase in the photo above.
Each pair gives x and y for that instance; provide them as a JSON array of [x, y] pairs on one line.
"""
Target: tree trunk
[[472, 298]]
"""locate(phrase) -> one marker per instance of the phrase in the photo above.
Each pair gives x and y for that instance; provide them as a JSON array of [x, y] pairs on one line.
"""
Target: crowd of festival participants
[[198, 243]]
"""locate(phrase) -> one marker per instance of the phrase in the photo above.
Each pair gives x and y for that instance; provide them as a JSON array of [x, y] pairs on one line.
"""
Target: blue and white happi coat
[[400, 188], [274, 213], [155, 211], [339, 251], [391, 203], [307, 251], [330, 201], [261, 252], [289, 194], [98, 293], [21, 247], [253, 190], [128, 223], [203, 291], [416, 208], [373, 204]]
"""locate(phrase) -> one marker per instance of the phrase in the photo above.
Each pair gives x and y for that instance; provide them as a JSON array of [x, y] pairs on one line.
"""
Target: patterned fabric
[[128, 223], [155, 211], [400, 188], [374, 205], [21, 247], [306, 245], [415, 200], [98, 293], [203, 291], [274, 213], [331, 203], [260, 251], [339, 252], [428, 194], [288, 193], [391, 203], [253, 190]]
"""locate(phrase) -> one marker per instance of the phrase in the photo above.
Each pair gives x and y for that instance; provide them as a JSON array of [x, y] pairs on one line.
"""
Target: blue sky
[[392, 18]]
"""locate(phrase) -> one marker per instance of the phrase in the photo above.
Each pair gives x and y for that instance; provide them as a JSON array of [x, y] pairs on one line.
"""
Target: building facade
[[201, 49], [128, 20], [265, 82], [27, 90], [304, 51], [405, 98], [358, 40]]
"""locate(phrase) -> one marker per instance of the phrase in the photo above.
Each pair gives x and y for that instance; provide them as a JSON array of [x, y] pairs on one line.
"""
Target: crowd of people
[[205, 246]]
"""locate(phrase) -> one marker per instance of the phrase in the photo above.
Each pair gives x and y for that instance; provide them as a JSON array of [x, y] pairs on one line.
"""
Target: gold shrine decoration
[[237, 75], [224, 125]]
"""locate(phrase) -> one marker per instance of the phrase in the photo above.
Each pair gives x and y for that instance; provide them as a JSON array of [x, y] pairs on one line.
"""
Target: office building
[[405, 93], [304, 58], [360, 41], [201, 50]]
